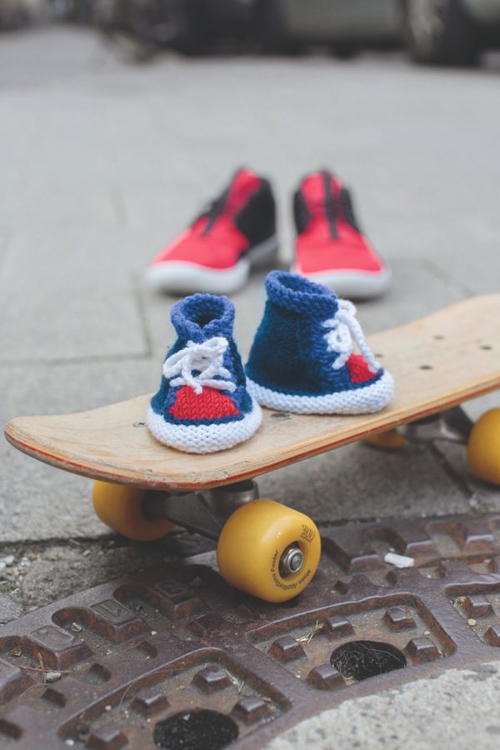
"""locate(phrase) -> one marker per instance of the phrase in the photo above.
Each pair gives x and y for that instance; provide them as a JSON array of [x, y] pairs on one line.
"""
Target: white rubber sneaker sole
[[188, 278], [352, 284], [366, 400], [204, 438]]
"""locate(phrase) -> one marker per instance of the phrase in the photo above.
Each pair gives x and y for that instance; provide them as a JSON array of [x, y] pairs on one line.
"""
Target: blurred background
[[453, 32]]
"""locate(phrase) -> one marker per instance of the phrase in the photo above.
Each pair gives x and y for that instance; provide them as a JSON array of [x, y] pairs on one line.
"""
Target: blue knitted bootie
[[302, 358], [203, 404]]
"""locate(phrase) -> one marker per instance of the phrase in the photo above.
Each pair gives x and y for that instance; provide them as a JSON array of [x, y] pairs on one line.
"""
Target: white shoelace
[[206, 359], [344, 327]]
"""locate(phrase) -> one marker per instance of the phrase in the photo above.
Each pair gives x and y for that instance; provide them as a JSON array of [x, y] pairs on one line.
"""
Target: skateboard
[[144, 489]]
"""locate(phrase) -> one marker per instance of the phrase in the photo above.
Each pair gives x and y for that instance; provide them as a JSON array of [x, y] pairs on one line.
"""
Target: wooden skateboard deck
[[437, 362]]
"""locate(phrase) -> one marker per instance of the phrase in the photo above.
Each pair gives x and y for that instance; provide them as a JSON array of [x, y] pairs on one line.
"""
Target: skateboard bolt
[[291, 561]]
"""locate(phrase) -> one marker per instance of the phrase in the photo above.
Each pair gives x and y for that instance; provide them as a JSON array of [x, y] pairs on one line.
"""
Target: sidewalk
[[102, 163]]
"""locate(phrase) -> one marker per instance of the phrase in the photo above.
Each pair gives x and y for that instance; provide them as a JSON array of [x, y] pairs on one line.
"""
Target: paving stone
[[36, 500], [483, 497], [4, 243], [404, 303], [9, 609], [357, 481], [62, 309], [464, 708], [59, 571]]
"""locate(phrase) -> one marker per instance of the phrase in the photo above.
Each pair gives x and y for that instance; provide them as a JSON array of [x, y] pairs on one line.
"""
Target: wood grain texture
[[437, 362]]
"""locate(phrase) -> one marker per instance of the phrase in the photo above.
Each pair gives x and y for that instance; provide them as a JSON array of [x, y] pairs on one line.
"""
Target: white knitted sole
[[352, 284], [187, 278], [365, 400], [204, 438]]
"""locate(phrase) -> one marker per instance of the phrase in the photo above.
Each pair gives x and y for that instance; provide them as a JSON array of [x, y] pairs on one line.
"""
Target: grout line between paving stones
[[5, 239], [141, 311], [123, 542], [98, 358], [118, 206], [89, 359], [42, 544], [459, 481], [436, 270], [119, 541]]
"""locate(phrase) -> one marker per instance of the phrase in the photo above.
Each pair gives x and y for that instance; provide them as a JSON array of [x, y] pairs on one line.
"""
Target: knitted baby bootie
[[302, 358], [203, 404]]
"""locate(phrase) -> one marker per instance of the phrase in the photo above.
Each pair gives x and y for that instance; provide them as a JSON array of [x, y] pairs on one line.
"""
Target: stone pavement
[[102, 162], [464, 715]]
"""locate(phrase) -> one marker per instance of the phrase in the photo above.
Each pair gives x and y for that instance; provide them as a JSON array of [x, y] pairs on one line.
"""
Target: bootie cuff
[[201, 316], [300, 295]]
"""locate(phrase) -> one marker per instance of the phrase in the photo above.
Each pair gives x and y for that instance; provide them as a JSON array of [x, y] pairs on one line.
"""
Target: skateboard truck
[[202, 512], [452, 425], [206, 513], [264, 548]]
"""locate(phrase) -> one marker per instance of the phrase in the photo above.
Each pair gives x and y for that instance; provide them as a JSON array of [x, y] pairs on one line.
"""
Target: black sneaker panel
[[347, 207], [214, 210], [257, 218], [330, 208], [215, 207], [301, 212]]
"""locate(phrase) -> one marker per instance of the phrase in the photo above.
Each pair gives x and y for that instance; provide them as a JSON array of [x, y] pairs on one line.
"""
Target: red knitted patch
[[358, 369], [209, 404]]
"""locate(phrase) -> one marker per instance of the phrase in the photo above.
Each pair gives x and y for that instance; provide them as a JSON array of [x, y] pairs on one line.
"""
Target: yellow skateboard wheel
[[483, 449], [120, 507], [390, 440], [253, 542]]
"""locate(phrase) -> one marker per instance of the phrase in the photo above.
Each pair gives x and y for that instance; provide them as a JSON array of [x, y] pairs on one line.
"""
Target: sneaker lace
[[198, 365], [212, 213], [344, 327]]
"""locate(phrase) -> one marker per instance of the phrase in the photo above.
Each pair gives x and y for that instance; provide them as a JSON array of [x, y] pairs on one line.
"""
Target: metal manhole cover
[[175, 658]]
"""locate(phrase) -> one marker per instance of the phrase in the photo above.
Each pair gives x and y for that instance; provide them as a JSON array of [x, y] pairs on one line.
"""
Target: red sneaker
[[215, 254], [330, 247]]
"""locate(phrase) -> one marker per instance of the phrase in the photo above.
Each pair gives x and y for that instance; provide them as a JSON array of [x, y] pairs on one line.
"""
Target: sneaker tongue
[[243, 184], [202, 316], [318, 192], [295, 293]]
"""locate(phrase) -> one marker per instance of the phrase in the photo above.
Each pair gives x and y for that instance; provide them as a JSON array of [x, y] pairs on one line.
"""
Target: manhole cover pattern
[[110, 667]]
